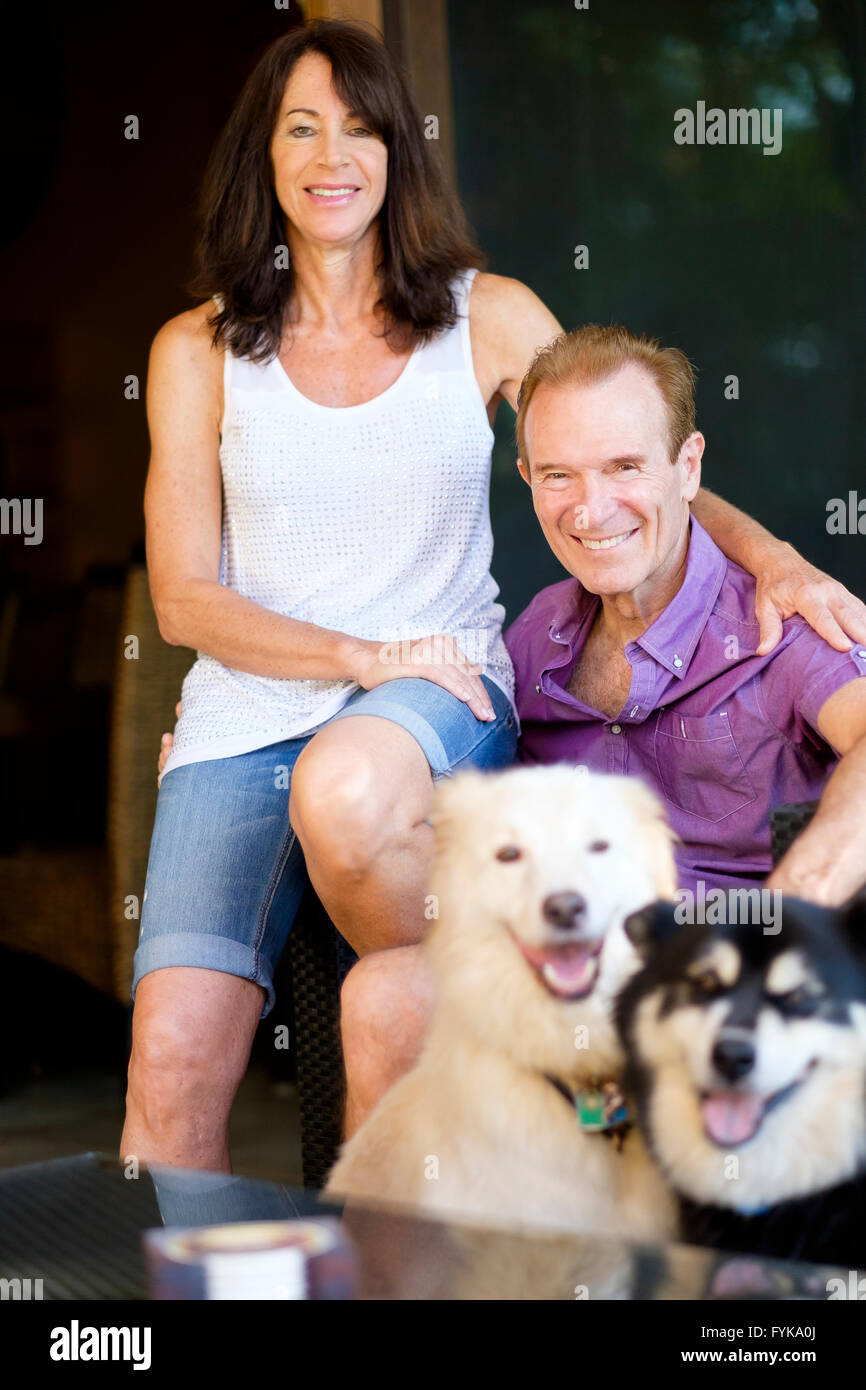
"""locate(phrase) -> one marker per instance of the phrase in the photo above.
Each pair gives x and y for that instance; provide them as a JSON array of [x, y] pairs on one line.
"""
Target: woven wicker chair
[[319, 959], [786, 822]]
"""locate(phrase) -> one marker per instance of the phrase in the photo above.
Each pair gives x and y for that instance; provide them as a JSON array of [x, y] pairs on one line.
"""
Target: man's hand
[[827, 862], [437, 658], [788, 584], [165, 747]]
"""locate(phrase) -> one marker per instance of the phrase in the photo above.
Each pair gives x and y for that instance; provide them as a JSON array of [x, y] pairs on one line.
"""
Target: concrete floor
[[51, 1117]]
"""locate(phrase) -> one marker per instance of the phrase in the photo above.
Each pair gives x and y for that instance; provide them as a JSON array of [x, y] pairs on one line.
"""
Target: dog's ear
[[649, 926], [657, 833]]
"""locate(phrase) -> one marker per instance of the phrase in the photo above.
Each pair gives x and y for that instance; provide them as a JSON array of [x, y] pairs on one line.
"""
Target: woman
[[317, 513]]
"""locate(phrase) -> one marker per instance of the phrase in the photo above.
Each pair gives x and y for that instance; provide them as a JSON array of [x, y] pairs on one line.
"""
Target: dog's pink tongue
[[730, 1118], [568, 969]]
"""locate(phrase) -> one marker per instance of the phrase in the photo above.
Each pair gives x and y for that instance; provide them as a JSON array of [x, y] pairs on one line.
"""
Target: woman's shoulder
[[500, 304], [491, 292], [191, 326], [188, 339], [508, 323]]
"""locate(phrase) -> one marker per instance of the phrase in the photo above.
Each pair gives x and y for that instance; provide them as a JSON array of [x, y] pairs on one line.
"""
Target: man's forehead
[[628, 383], [613, 414]]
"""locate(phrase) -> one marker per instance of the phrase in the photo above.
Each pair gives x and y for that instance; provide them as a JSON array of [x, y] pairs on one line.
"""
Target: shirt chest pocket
[[699, 765]]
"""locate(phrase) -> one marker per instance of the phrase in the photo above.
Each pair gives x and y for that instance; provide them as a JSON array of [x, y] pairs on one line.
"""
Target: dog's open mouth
[[568, 971], [734, 1117]]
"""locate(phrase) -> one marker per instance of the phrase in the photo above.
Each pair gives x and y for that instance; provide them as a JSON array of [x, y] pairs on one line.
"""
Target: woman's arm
[[183, 515]]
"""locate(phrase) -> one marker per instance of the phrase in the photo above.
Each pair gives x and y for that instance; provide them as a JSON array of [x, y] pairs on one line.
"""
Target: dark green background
[[752, 264]]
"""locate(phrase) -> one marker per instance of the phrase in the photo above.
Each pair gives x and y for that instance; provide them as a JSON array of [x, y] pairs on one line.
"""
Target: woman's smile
[[333, 194]]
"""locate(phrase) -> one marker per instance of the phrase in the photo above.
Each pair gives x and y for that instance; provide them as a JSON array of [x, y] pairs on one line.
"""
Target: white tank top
[[371, 519]]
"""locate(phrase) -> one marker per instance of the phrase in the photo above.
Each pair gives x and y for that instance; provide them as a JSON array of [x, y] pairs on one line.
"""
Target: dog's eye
[[797, 1002], [507, 853], [599, 846]]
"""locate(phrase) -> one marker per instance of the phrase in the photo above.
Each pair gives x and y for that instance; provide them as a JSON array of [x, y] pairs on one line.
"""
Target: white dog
[[535, 871]]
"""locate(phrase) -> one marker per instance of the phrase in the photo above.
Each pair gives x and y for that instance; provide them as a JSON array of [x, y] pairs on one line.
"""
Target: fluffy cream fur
[[475, 1129]]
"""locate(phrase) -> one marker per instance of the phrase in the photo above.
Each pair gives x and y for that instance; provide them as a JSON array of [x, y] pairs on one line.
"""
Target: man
[[646, 662], [649, 660]]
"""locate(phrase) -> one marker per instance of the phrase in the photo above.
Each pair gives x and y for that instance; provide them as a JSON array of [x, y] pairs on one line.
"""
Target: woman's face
[[330, 169]]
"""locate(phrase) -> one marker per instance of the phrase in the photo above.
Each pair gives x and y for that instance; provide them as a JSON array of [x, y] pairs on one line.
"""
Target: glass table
[[77, 1224]]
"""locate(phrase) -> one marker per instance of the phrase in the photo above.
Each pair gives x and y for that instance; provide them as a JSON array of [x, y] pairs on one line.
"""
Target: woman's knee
[[349, 802], [191, 1037]]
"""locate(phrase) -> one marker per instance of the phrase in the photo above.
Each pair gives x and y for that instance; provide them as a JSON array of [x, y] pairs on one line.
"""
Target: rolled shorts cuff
[[382, 702], [205, 952], [414, 724]]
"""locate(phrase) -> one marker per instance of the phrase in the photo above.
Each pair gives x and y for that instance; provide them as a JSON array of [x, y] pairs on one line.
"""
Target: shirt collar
[[571, 613], [673, 638]]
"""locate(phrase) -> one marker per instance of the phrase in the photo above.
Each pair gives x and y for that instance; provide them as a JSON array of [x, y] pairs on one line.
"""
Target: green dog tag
[[601, 1107]]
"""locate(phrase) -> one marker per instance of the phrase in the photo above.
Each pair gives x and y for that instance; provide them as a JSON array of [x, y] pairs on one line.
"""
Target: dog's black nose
[[733, 1057], [564, 909]]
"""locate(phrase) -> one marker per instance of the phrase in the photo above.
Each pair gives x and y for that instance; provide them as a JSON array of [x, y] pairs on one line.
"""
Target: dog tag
[[601, 1107]]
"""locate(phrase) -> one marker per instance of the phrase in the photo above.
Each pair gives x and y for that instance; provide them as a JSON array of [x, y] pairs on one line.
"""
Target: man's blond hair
[[595, 352]]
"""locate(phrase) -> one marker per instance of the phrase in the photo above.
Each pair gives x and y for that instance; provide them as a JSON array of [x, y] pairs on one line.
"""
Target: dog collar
[[600, 1107]]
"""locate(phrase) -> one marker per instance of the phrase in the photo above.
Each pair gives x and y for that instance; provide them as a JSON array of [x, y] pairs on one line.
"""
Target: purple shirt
[[722, 735]]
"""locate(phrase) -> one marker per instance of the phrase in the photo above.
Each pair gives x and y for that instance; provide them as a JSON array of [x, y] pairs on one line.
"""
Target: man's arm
[[827, 862], [787, 584]]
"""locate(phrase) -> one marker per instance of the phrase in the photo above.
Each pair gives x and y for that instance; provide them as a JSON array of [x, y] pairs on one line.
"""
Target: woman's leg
[[361, 796], [224, 879], [360, 801], [192, 1031]]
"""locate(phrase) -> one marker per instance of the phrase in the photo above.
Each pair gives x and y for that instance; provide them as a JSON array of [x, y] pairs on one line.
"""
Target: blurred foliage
[[753, 264]]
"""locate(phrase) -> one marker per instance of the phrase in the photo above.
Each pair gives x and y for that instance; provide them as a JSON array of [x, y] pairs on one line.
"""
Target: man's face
[[613, 507]]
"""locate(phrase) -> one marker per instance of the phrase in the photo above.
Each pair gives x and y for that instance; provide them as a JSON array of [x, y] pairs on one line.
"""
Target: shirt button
[[616, 728], [538, 689], [678, 661], [862, 654]]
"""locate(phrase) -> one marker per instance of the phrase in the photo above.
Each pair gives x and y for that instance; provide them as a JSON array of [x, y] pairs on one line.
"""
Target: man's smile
[[606, 542]]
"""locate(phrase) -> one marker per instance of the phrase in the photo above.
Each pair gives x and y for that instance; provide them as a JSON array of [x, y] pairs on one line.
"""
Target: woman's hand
[[788, 584], [165, 747], [437, 658]]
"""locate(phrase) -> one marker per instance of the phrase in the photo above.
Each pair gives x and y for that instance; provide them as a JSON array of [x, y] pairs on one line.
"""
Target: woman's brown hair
[[424, 233]]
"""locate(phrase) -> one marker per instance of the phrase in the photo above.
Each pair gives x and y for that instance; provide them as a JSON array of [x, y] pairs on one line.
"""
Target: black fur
[[829, 1226]]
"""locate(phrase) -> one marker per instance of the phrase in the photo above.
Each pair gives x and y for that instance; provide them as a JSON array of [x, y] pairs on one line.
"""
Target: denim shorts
[[226, 874]]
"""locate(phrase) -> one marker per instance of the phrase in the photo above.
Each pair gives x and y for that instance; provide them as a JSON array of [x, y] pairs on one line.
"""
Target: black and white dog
[[746, 1058]]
